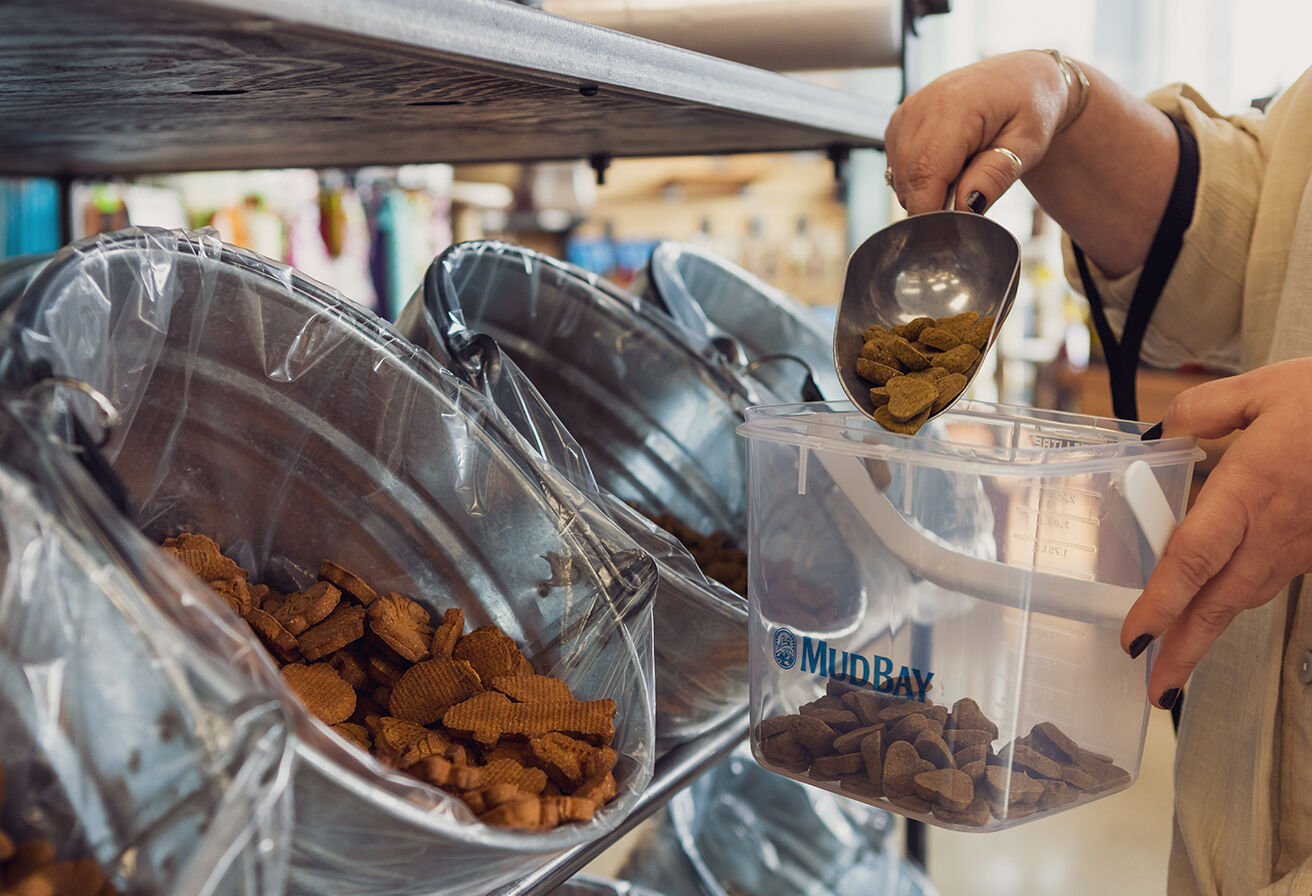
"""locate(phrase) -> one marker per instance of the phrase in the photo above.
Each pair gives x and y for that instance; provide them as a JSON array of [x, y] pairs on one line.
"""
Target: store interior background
[[370, 233]]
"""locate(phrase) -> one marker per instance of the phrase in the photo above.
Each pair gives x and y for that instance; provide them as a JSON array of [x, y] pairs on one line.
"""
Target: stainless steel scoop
[[937, 264]]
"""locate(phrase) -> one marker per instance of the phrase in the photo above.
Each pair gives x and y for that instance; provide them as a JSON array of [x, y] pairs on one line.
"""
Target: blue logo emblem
[[785, 648]]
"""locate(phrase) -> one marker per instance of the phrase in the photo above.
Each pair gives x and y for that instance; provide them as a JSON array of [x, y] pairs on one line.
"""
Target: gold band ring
[[1012, 157]]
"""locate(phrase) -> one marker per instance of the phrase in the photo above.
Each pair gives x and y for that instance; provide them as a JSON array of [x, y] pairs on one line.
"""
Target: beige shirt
[[1240, 296]]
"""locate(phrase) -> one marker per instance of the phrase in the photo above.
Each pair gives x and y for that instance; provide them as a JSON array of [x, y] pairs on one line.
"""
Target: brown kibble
[[237, 594], [875, 372], [347, 581], [302, 609], [441, 773], [1052, 742], [352, 666], [568, 761], [356, 734], [572, 808], [910, 727], [975, 815], [600, 788], [873, 331], [978, 335], [1106, 775], [529, 780], [448, 633], [946, 787], [862, 786], [958, 360], [1011, 788], [1030, 759], [949, 387], [393, 737], [524, 813], [932, 749], [281, 643], [867, 706], [837, 719], [967, 716], [773, 725], [911, 803], [907, 355], [879, 396], [915, 328], [961, 739], [344, 625], [904, 427], [967, 755], [490, 652], [908, 398], [324, 693], [433, 743], [532, 688], [901, 764], [785, 750], [814, 734], [427, 690], [383, 670], [851, 740], [939, 338], [872, 752], [402, 624], [489, 716], [880, 351], [959, 323], [1057, 794], [975, 769], [838, 765]]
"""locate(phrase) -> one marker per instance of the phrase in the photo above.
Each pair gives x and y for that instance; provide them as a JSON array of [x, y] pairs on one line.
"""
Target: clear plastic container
[[981, 683]]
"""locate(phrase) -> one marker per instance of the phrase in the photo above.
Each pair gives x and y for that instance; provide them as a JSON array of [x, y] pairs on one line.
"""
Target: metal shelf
[[674, 771], [139, 86]]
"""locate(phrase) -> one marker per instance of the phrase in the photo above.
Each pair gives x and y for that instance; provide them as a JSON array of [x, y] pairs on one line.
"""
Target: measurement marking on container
[[1056, 547]]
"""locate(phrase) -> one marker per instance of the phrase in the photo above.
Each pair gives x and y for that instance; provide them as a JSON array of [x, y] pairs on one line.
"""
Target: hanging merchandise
[[29, 216], [292, 426]]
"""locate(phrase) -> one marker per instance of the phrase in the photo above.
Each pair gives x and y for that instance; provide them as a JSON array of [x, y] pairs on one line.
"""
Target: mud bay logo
[[875, 672]]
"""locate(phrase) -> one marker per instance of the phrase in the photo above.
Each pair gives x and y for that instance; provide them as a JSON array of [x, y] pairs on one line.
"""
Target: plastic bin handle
[[931, 559]]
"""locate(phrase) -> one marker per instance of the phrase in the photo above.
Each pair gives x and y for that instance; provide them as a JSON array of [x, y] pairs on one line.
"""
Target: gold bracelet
[[1072, 74]]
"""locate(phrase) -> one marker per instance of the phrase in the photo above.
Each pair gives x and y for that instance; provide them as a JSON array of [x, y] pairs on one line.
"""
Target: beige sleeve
[[1198, 316]]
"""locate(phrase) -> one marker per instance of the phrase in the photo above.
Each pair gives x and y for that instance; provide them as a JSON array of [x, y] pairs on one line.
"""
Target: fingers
[[1215, 409]]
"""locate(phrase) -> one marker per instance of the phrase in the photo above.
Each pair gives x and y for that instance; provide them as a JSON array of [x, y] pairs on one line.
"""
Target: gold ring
[[1014, 159], [888, 176]]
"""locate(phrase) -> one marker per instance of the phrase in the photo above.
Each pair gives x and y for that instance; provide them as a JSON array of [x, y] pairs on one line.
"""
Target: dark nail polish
[[1168, 698], [975, 202], [1152, 433], [1139, 645]]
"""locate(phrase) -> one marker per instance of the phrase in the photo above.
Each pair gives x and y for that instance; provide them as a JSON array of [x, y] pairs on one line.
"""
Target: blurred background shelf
[[144, 86]]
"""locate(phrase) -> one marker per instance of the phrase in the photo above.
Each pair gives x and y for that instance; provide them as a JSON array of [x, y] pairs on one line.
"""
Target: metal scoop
[[938, 264]]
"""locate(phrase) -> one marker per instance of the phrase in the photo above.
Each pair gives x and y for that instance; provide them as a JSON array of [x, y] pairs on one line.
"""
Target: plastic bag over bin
[[139, 727], [588, 885], [742, 829], [783, 343], [293, 427], [619, 398]]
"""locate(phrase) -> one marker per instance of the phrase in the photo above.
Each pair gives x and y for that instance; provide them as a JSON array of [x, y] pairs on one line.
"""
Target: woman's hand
[[1016, 101], [1249, 532]]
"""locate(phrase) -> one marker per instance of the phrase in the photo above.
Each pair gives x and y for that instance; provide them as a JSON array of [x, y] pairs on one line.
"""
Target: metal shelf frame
[[89, 88]]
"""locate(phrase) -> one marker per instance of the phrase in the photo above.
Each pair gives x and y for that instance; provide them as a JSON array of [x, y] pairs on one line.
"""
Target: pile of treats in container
[[919, 368], [29, 868], [929, 760], [713, 554], [465, 712]]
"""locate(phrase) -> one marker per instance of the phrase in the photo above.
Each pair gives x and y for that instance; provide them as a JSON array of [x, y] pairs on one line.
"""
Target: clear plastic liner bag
[[138, 725], [628, 405], [268, 412], [742, 829], [781, 341]]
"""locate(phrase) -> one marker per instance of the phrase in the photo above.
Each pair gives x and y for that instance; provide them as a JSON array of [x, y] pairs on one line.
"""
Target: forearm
[[1106, 179]]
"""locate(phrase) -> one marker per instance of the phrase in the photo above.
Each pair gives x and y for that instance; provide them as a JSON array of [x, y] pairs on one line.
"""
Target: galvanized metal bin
[[292, 426], [586, 369]]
